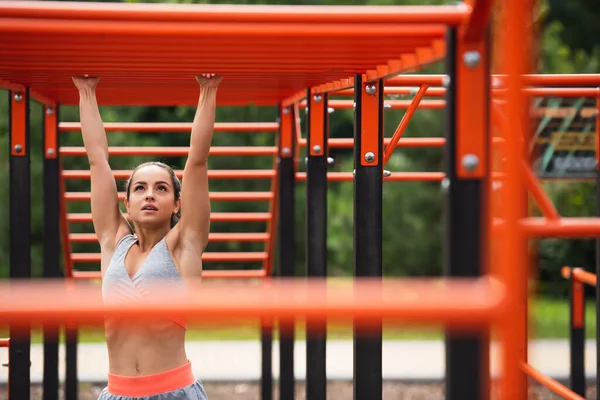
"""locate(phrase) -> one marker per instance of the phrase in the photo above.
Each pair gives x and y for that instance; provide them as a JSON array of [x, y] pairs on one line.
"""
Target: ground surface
[[336, 391]]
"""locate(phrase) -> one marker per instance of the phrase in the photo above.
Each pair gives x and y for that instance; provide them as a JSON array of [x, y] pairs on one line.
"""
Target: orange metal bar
[[456, 303], [4, 342], [580, 275], [243, 13], [215, 196], [403, 142], [399, 91], [121, 29], [560, 79], [214, 217], [270, 243], [316, 123], [212, 174], [539, 194], [174, 151], [404, 123], [212, 237], [393, 104], [479, 18], [532, 91], [18, 103], [175, 126], [50, 133], [209, 257], [556, 91], [370, 113], [206, 274], [515, 39], [286, 132], [550, 383], [394, 176], [272, 224], [64, 227], [472, 69]]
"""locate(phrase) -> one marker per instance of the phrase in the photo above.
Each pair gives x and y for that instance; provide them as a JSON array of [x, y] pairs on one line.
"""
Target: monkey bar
[[293, 57]]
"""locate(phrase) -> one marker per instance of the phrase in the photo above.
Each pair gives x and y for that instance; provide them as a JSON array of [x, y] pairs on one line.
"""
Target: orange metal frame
[[269, 55]]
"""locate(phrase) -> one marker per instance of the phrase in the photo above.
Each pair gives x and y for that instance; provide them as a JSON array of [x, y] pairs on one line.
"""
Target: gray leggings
[[195, 391]]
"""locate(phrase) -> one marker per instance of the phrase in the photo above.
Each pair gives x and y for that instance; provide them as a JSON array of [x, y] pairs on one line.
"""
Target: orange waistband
[[148, 385]]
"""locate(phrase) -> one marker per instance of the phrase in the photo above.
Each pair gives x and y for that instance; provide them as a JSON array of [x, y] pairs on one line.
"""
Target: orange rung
[[403, 142], [394, 176], [399, 91], [393, 104], [212, 174], [217, 196], [214, 217], [5, 342], [210, 257], [550, 383], [175, 126], [174, 151], [210, 274], [561, 227], [455, 303], [212, 237], [580, 275]]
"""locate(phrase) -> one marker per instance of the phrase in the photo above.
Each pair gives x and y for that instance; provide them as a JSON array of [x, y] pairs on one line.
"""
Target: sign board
[[564, 137]]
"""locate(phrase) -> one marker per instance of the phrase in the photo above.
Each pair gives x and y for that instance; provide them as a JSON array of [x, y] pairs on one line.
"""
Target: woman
[[147, 359]]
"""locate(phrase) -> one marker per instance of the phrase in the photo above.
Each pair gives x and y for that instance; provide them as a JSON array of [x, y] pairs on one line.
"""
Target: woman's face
[[151, 197]]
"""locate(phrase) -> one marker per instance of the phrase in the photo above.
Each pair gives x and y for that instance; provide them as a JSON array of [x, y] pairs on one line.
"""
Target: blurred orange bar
[[461, 303]]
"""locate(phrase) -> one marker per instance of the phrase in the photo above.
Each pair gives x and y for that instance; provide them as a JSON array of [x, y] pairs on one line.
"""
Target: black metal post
[[71, 382], [577, 336], [466, 371], [316, 239], [286, 248], [51, 263], [368, 199], [19, 375], [266, 381]]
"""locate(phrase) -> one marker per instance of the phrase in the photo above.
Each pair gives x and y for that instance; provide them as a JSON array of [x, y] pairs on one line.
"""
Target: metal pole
[[316, 239], [466, 356], [286, 247], [51, 263], [19, 375], [368, 196]]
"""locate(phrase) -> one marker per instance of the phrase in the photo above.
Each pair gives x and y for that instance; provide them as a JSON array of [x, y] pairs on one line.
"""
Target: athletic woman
[[147, 358]]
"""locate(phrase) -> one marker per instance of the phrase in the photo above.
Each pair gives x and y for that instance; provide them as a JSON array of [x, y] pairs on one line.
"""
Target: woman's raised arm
[[194, 224], [106, 215]]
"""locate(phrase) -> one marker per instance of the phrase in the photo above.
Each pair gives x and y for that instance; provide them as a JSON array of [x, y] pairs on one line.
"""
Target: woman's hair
[[174, 181]]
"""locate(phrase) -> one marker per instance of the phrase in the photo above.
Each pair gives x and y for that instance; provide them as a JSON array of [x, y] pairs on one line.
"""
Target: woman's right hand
[[85, 83]]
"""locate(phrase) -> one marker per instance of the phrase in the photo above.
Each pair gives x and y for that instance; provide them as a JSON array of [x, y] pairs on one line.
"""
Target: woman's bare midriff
[[144, 347]]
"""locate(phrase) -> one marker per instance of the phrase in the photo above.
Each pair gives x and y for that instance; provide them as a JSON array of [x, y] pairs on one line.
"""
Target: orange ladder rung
[[212, 237], [211, 256], [217, 196], [211, 274], [4, 342], [215, 217], [175, 126], [175, 151], [403, 142], [212, 174]]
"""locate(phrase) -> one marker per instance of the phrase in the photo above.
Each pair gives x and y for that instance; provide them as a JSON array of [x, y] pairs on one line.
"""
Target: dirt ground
[[335, 391]]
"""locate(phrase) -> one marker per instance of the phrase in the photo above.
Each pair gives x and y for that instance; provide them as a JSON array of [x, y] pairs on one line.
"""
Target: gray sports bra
[[158, 267]]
